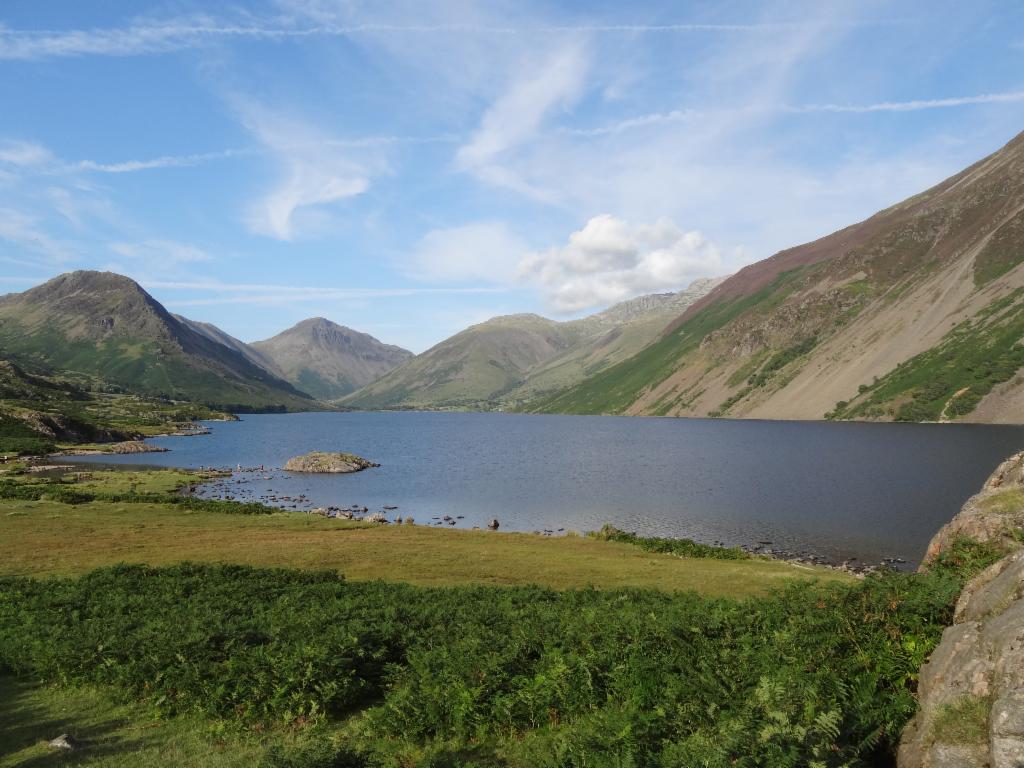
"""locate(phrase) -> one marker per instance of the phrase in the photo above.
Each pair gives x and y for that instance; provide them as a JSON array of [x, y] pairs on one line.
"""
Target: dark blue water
[[838, 490]]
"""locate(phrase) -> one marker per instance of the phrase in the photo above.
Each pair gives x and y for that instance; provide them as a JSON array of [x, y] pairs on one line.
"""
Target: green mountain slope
[[507, 362], [105, 328], [911, 314], [212, 332], [326, 359]]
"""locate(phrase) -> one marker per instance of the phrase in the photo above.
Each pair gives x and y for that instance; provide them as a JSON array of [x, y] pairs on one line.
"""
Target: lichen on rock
[[328, 462]]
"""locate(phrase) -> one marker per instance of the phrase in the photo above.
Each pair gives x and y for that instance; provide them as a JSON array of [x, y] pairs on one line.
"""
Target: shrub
[[816, 674], [681, 547]]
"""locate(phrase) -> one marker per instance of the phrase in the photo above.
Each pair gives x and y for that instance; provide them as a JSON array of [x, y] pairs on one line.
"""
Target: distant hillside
[[914, 314], [610, 337], [105, 326], [327, 360], [212, 332], [508, 361]]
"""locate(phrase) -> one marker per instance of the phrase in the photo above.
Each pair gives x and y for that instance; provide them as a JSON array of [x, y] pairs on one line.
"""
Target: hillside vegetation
[[507, 362], [39, 414], [328, 360], [106, 329], [911, 314]]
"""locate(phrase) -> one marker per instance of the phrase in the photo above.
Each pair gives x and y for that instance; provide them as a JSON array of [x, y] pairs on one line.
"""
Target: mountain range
[[508, 361], [107, 331], [916, 313]]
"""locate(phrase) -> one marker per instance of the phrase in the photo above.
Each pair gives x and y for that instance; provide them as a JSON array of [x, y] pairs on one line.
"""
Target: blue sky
[[409, 168]]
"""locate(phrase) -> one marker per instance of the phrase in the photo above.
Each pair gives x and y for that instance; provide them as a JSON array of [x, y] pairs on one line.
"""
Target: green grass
[[516, 676], [115, 734], [131, 516], [437, 647], [42, 538], [81, 412], [964, 721], [1001, 253], [1004, 503]]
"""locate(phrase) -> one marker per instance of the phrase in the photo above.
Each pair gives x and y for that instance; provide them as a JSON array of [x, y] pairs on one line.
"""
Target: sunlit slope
[[328, 360], [508, 362], [912, 314], [105, 326]]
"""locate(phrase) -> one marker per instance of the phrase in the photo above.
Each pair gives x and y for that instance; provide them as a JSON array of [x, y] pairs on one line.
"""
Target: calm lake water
[[838, 490]]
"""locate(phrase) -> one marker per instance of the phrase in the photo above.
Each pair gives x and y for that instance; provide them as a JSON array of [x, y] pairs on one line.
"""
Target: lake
[[837, 490]]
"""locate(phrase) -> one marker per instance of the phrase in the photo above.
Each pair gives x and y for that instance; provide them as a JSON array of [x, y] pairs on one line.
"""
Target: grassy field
[[46, 538], [113, 734], [436, 648]]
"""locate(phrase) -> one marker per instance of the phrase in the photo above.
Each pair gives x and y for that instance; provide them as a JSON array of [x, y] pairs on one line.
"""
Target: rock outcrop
[[971, 691], [135, 446], [328, 463], [995, 515]]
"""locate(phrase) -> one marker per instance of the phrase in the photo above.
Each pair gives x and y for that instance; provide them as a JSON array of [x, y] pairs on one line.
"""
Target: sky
[[411, 168]]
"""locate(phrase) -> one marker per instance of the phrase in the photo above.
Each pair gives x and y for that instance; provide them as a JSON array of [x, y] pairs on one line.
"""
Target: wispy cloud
[[914, 105], [653, 119], [164, 161], [276, 295], [26, 230], [516, 116], [164, 251], [314, 171], [164, 36], [24, 154]]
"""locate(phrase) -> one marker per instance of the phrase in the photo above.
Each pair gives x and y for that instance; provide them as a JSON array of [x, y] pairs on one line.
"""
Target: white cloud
[[485, 251], [610, 260], [24, 153], [164, 252], [315, 172], [914, 105], [156, 36], [26, 231]]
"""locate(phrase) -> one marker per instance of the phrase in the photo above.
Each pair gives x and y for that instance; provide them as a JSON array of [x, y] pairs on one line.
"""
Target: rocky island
[[328, 462]]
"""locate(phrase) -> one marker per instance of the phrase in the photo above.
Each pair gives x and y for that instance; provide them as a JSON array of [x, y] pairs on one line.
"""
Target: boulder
[[328, 463], [65, 741], [993, 515], [975, 677], [135, 446]]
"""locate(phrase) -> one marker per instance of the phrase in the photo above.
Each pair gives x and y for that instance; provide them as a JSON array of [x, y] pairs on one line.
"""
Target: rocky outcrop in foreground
[[325, 462], [971, 691]]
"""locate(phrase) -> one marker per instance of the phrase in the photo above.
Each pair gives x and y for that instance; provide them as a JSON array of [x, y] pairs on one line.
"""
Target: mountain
[[608, 338], [326, 359], [106, 328], [213, 333], [507, 361], [913, 314]]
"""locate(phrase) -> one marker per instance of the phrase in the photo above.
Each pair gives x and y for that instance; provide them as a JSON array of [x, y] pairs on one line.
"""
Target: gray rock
[[982, 654], [1006, 742], [65, 741], [328, 463]]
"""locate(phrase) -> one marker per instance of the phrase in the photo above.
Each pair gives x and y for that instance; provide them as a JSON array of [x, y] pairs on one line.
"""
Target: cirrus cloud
[[610, 260]]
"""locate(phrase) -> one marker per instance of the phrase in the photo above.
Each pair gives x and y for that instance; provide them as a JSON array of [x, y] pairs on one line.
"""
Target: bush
[[816, 674], [681, 547]]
